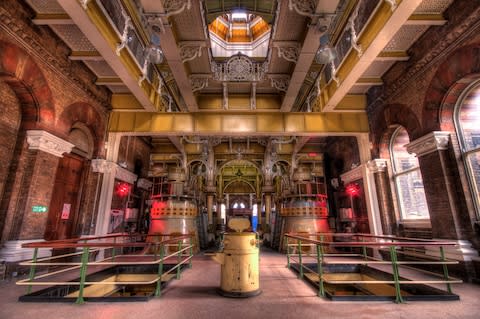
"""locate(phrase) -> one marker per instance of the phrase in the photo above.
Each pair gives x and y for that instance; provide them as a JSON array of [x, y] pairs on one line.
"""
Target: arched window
[[407, 178], [467, 124]]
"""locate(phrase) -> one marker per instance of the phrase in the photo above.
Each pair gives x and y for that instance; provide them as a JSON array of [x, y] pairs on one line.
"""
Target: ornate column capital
[[125, 175], [433, 141], [48, 143], [377, 165], [103, 166]]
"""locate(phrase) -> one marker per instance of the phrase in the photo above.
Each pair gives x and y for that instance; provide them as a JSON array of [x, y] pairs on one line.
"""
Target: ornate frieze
[[173, 7], [288, 50], [280, 82], [239, 68], [303, 7], [190, 50], [48, 143], [103, 166], [434, 141], [377, 165], [198, 82]]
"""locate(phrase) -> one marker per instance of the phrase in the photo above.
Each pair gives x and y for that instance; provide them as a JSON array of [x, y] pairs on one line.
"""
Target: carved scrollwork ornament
[[289, 53], [280, 83], [198, 83], [190, 52], [393, 4], [353, 33], [173, 7], [303, 7]]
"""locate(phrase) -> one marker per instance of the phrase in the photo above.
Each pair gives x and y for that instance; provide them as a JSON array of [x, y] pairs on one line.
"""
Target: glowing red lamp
[[352, 189], [123, 189]]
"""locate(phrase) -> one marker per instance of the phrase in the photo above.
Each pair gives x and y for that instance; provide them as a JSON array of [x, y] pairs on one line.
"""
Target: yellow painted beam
[[109, 81], [52, 18], [426, 19], [145, 123], [392, 56], [85, 55], [125, 102], [353, 102], [381, 27], [369, 81]]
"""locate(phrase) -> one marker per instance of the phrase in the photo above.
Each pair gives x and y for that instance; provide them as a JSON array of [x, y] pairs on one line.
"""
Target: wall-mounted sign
[[66, 211], [39, 209]]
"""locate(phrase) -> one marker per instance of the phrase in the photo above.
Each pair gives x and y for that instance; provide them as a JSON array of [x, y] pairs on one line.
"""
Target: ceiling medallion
[[239, 68]]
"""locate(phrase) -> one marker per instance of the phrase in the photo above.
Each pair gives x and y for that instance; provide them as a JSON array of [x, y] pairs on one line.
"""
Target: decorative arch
[[22, 74], [239, 180], [89, 118], [462, 64], [391, 116]]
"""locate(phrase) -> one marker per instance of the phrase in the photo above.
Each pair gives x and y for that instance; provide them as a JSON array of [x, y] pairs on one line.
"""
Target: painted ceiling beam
[[52, 19], [426, 19], [382, 26], [85, 56], [238, 123], [307, 53]]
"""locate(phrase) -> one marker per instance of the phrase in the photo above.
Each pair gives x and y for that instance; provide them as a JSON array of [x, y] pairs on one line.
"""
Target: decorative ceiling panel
[[45, 6], [118, 89], [188, 25], [73, 37], [291, 26], [405, 37], [100, 68], [359, 89], [433, 6], [377, 69]]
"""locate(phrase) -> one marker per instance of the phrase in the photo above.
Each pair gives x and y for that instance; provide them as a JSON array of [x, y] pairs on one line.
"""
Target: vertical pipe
[[32, 269], [158, 291], [191, 252], [396, 276], [445, 269], [321, 289], [179, 258], [288, 252], [300, 259], [83, 274]]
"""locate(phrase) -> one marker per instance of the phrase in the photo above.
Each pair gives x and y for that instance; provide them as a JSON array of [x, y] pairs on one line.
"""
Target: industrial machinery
[[172, 213], [239, 260]]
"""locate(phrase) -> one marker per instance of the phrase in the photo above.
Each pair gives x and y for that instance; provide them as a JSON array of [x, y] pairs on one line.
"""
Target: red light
[[312, 154], [123, 189], [352, 189]]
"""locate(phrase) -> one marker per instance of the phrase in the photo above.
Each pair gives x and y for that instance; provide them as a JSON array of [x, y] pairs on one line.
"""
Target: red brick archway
[[22, 74], [87, 115], [452, 77]]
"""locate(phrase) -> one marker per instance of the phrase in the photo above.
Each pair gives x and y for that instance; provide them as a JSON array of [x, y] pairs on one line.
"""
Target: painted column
[[34, 181], [386, 211], [447, 215]]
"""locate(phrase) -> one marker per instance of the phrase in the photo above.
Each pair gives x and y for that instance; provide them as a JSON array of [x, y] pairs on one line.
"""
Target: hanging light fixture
[[325, 53]]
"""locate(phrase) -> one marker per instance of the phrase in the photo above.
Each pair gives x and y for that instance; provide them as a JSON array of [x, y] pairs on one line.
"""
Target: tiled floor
[[283, 296]]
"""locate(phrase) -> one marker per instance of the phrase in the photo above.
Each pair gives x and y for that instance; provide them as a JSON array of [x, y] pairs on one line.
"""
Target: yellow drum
[[240, 262]]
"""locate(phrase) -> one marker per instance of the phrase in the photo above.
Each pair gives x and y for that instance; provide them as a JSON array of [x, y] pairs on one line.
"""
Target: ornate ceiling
[[320, 59]]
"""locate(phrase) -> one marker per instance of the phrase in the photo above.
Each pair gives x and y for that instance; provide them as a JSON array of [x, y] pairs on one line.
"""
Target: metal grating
[[433, 6], [100, 68], [45, 6], [377, 69], [73, 37], [405, 37]]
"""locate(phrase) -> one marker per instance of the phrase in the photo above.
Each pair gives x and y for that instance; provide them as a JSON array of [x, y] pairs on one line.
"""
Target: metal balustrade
[[311, 254], [104, 252]]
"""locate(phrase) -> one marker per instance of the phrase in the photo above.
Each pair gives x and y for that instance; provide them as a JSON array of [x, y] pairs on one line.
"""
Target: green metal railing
[[353, 249], [179, 246]]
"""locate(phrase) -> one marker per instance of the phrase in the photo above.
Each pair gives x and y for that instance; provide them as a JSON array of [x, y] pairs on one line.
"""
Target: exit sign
[[39, 209]]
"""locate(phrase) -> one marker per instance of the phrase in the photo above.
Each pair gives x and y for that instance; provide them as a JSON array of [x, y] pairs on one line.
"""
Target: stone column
[[33, 186], [378, 167], [438, 172]]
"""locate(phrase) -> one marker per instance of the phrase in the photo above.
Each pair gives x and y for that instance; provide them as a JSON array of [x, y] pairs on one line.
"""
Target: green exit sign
[[39, 209]]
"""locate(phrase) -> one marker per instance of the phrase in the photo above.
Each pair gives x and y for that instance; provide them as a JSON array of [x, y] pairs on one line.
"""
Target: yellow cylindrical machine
[[240, 262]]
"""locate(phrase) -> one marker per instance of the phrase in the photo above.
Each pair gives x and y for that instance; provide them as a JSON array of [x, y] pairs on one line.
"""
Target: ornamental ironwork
[[239, 68]]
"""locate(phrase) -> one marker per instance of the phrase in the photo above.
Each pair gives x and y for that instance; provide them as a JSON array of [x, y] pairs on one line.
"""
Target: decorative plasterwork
[[353, 175], [239, 68], [198, 82], [303, 7], [434, 141], [103, 166], [124, 38], [191, 50], [144, 183], [280, 82], [125, 175], [48, 143], [377, 165], [106, 167], [173, 7], [353, 32], [288, 51]]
